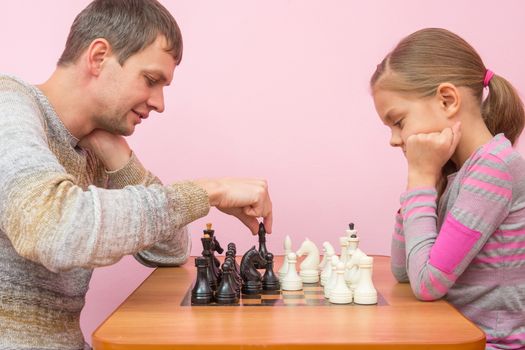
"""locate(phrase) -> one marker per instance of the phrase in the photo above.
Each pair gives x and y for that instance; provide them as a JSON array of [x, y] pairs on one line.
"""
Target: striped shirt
[[62, 214], [470, 248]]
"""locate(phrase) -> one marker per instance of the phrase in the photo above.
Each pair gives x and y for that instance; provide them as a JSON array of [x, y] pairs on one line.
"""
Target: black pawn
[[270, 281], [262, 245], [236, 278], [201, 292], [231, 252], [226, 292]]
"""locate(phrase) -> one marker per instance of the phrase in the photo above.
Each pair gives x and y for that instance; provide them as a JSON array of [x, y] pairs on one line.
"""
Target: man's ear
[[97, 54], [449, 98]]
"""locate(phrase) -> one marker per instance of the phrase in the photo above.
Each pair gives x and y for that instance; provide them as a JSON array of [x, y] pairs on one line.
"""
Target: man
[[73, 196]]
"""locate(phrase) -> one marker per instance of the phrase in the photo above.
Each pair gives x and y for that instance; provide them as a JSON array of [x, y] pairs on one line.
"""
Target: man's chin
[[128, 132]]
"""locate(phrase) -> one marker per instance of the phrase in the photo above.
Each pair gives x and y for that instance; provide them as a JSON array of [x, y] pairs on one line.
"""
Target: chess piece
[[270, 281], [226, 291], [343, 241], [330, 284], [251, 278], [291, 281], [351, 232], [236, 279], [365, 293], [287, 250], [233, 248], [340, 294], [352, 265], [201, 292], [262, 245], [215, 247], [308, 270], [211, 275], [323, 261], [327, 270], [230, 254]]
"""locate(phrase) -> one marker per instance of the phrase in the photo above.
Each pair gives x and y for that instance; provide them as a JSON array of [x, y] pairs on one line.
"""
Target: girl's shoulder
[[499, 150], [497, 158]]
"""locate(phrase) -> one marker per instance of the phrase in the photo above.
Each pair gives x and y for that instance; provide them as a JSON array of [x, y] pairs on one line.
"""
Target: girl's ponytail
[[503, 110]]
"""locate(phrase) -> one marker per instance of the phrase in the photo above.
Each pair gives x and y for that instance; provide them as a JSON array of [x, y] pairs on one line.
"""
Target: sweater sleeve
[[51, 220], [171, 252], [435, 260], [398, 251]]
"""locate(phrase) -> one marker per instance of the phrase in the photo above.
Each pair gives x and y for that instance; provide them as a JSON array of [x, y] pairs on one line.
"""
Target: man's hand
[[246, 199], [111, 149], [427, 154]]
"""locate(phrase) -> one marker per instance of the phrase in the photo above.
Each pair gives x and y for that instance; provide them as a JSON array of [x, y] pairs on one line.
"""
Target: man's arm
[[171, 252], [49, 219]]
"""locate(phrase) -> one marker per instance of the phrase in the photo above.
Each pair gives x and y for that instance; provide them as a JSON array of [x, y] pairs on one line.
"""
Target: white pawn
[[330, 284], [340, 294], [309, 268], [291, 281], [287, 250], [327, 270], [344, 248], [365, 293]]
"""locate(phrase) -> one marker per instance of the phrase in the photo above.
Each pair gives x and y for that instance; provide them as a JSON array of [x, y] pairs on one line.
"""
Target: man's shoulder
[[12, 83], [13, 87]]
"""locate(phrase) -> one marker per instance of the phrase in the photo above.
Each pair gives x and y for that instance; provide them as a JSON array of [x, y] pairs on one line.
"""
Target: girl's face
[[407, 114]]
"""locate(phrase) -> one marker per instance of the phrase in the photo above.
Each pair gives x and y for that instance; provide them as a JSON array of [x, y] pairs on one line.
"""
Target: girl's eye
[[399, 123]]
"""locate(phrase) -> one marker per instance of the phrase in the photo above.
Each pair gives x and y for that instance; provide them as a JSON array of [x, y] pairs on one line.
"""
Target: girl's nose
[[395, 139]]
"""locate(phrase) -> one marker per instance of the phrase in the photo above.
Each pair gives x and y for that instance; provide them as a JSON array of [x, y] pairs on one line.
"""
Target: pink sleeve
[[482, 202]]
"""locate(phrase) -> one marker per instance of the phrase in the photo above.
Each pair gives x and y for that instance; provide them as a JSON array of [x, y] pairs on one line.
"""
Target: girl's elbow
[[423, 295]]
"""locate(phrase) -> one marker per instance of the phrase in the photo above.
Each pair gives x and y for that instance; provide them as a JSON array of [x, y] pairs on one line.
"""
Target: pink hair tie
[[488, 76]]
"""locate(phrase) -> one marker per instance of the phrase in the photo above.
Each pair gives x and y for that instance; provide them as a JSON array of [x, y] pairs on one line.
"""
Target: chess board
[[311, 295]]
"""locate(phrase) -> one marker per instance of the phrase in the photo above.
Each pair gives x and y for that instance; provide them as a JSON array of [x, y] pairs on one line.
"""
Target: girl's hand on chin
[[427, 153]]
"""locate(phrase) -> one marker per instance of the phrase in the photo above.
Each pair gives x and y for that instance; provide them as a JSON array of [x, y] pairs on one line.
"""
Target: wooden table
[[152, 318]]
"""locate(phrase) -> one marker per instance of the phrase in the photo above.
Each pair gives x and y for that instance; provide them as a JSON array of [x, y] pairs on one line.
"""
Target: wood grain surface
[[153, 318]]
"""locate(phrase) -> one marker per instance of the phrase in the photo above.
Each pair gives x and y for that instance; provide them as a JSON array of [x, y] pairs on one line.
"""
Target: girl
[[460, 232]]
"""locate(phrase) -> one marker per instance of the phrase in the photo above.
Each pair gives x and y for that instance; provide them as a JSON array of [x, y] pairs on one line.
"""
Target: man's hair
[[128, 25]]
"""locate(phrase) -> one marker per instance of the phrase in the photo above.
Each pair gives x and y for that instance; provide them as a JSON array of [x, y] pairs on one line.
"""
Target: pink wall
[[274, 89]]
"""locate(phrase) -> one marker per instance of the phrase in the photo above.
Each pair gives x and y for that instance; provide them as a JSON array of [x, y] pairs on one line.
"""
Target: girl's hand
[[427, 153]]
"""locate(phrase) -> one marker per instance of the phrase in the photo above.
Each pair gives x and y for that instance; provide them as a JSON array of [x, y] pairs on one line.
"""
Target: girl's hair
[[429, 57]]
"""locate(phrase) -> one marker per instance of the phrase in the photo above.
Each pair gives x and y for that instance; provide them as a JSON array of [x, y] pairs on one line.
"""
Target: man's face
[[129, 92]]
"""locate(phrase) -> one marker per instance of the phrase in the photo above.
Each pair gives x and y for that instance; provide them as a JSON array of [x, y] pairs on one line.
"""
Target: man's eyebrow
[[159, 76]]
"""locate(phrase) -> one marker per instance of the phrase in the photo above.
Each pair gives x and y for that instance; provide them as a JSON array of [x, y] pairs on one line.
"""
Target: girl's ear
[[449, 98]]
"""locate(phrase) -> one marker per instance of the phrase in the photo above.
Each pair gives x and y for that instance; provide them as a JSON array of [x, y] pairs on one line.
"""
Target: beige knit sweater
[[62, 214]]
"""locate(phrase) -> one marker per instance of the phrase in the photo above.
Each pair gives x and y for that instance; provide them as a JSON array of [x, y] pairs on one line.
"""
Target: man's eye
[[150, 81]]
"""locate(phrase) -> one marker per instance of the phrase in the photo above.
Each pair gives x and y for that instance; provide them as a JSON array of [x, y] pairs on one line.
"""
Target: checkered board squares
[[311, 295]]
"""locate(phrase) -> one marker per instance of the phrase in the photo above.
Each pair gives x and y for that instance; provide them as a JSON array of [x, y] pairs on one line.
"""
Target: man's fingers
[[268, 222], [265, 214], [251, 222]]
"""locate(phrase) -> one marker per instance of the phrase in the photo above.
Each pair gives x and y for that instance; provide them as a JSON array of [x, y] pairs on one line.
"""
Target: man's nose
[[156, 100]]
